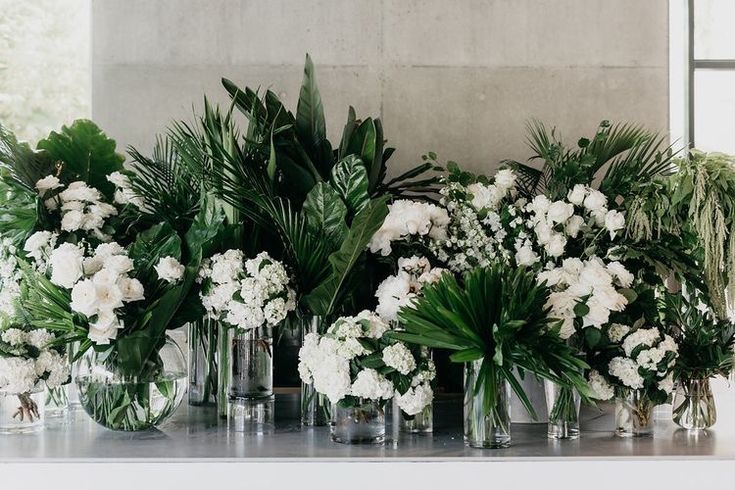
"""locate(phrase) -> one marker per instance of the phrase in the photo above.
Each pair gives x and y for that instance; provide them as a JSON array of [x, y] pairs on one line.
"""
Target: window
[[709, 41], [44, 65]]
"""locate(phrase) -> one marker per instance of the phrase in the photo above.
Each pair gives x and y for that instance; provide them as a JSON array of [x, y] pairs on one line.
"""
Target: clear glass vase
[[562, 407], [203, 362], [251, 364], [57, 401], [120, 401], [362, 423], [485, 427], [316, 409], [694, 404], [22, 412], [633, 414], [421, 423]]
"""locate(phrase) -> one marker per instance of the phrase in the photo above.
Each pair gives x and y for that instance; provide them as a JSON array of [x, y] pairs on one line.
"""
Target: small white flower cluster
[[591, 283], [124, 193], [246, 293], [100, 285], [325, 361], [28, 359], [409, 218], [649, 357], [401, 289], [10, 278], [82, 207]]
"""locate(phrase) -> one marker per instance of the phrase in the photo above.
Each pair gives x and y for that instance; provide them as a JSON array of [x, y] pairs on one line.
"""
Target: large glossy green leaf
[[325, 213], [365, 145], [324, 298], [151, 246], [86, 154], [207, 225], [310, 124], [350, 179]]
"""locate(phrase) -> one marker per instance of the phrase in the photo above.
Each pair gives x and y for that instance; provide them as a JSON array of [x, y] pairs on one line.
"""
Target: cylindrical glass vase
[[562, 407], [203, 362], [694, 404], [362, 423], [421, 423], [316, 409], [251, 364], [120, 401], [22, 412], [633, 414], [485, 426], [57, 401]]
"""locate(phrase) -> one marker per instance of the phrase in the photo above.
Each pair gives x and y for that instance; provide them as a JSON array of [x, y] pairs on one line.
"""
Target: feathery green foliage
[[497, 316]]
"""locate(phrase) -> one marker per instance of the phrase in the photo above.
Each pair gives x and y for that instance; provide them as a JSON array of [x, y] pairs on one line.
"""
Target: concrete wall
[[459, 77]]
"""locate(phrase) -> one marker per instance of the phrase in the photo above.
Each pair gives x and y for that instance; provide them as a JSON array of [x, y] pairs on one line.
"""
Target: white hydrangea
[[617, 331], [31, 360], [399, 357], [246, 294], [401, 289], [640, 337], [600, 388], [371, 385], [10, 279], [415, 399], [626, 370]]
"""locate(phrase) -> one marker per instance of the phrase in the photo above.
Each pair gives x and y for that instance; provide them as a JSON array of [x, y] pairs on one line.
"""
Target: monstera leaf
[[324, 298], [325, 213], [350, 179], [86, 153]]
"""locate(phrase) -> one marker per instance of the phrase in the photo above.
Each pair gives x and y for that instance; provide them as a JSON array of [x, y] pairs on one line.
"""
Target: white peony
[[169, 269]]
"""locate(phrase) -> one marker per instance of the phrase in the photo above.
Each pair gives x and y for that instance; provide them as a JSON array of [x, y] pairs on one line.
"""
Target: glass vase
[[421, 423], [57, 401], [203, 362], [316, 409], [22, 412], [562, 407], [120, 401], [694, 404], [485, 426], [633, 414], [362, 423], [224, 369], [251, 364]]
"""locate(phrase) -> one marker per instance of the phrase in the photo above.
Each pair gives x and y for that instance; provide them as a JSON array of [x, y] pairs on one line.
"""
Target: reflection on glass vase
[[421, 423], [22, 412], [694, 404], [57, 401], [203, 362], [633, 414], [562, 405], [251, 364], [316, 409], [361, 423], [485, 426], [121, 401]]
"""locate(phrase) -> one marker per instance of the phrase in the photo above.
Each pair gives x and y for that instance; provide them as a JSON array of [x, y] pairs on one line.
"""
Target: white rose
[[72, 220], [625, 278], [109, 297], [118, 179], [614, 221], [119, 264], [104, 328], [132, 289], [560, 211], [556, 245], [66, 263], [574, 224], [526, 256], [577, 194], [84, 298], [48, 183], [169, 269], [595, 201]]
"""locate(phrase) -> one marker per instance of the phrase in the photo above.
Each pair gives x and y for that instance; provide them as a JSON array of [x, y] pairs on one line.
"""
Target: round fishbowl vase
[[361, 423], [486, 427], [122, 402], [694, 404], [633, 414], [22, 412]]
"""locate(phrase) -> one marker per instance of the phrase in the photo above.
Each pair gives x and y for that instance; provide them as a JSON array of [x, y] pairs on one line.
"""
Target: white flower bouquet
[[355, 360]]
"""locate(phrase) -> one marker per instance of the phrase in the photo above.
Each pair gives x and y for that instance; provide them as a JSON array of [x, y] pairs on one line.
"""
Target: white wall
[[456, 77]]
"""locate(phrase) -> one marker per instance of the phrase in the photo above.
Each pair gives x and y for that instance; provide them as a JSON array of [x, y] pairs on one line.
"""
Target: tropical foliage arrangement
[[604, 267]]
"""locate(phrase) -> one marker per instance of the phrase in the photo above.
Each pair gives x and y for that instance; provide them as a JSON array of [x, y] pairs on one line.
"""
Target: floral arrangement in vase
[[358, 367]]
